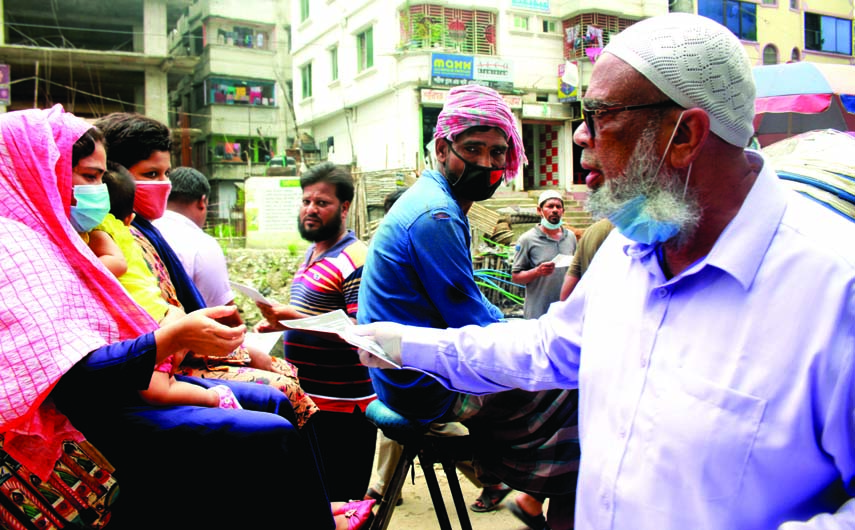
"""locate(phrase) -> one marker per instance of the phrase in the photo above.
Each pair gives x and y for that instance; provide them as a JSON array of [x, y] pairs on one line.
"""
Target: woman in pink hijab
[[74, 346]]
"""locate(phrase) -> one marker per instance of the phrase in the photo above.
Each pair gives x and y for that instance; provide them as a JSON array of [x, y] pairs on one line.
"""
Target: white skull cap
[[549, 194], [696, 62]]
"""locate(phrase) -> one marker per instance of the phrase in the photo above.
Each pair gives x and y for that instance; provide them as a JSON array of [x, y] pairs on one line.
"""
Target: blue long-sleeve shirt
[[419, 272]]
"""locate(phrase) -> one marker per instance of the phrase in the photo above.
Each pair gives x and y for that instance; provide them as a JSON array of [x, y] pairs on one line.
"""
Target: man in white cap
[[535, 259], [712, 339]]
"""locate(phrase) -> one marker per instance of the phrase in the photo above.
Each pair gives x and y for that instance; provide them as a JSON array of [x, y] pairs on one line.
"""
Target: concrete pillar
[[156, 95], [154, 27], [155, 44]]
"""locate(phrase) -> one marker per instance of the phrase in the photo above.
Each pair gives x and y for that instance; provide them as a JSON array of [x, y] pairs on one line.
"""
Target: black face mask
[[476, 183]]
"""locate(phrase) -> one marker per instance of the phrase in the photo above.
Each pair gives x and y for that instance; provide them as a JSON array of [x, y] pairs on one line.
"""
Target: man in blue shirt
[[419, 271]]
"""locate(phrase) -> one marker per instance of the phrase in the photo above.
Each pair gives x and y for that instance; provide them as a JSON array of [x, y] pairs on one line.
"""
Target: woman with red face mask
[[74, 346]]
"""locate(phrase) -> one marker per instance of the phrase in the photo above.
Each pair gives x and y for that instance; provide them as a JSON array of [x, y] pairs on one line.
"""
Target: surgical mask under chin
[[633, 219], [150, 198], [635, 223], [551, 226], [476, 183], [93, 205]]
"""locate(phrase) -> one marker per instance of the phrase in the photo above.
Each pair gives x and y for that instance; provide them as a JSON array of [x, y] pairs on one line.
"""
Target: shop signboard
[[434, 98], [534, 5], [449, 70]]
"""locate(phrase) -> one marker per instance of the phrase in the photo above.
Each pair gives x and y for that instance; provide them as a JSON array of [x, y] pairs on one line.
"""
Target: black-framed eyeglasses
[[589, 114]]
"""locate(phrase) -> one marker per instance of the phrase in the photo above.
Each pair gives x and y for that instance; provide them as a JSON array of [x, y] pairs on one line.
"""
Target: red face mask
[[150, 198]]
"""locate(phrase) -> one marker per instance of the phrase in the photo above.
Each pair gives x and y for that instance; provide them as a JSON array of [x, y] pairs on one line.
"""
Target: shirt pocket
[[702, 437]]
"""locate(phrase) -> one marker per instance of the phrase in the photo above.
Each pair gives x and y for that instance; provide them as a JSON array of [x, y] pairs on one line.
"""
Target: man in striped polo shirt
[[329, 369]]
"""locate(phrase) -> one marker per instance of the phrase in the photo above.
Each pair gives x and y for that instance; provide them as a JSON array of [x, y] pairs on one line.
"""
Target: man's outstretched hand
[[388, 336]]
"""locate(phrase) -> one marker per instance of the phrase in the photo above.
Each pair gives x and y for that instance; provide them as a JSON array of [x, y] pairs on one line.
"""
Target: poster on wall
[[568, 82], [272, 207]]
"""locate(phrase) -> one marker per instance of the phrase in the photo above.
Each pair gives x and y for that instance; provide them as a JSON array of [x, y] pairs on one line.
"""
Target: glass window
[[550, 26], [739, 17], [521, 22], [365, 49], [306, 79], [334, 63], [828, 34], [304, 10]]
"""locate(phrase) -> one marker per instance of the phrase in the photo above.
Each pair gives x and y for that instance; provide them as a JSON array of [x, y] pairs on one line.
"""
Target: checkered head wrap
[[474, 105]]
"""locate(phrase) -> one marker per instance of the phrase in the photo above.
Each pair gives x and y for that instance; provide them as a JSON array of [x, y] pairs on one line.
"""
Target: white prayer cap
[[697, 63], [549, 194]]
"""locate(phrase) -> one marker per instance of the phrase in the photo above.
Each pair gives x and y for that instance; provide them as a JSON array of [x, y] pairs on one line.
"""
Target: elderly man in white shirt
[[181, 226], [712, 339]]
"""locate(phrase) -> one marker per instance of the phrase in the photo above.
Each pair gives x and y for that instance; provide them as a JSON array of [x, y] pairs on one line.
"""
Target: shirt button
[[643, 362], [622, 433], [662, 292]]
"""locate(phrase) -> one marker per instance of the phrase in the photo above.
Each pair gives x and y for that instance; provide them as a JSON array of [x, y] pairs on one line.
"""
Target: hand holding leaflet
[[251, 292], [338, 323], [562, 260]]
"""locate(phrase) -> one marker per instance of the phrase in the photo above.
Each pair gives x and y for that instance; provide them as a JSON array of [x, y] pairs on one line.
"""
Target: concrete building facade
[[92, 57], [370, 76], [234, 109]]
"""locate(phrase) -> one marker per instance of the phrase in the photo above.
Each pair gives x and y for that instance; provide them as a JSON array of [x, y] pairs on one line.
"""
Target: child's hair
[[122, 188]]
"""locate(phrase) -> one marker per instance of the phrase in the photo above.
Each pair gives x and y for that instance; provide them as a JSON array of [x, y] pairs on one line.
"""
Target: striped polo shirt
[[329, 369]]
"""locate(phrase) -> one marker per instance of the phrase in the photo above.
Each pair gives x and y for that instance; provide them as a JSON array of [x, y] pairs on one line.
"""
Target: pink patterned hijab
[[57, 302], [474, 105]]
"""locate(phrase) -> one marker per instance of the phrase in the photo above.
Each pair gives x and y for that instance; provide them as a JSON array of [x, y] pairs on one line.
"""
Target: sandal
[[535, 522], [358, 513], [374, 494], [490, 498]]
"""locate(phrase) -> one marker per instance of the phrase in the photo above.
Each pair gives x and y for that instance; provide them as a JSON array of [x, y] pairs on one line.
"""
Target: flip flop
[[535, 522], [489, 499]]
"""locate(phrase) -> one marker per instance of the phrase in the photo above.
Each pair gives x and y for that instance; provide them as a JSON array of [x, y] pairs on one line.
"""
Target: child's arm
[[164, 389], [108, 252]]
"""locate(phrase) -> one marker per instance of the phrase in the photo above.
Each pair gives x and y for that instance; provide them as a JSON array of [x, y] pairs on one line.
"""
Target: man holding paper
[[329, 368], [541, 250]]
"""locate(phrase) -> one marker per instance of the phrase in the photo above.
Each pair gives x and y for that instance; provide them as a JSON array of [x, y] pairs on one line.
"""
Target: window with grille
[[306, 79], [739, 17], [590, 30], [365, 50], [461, 30], [828, 34]]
